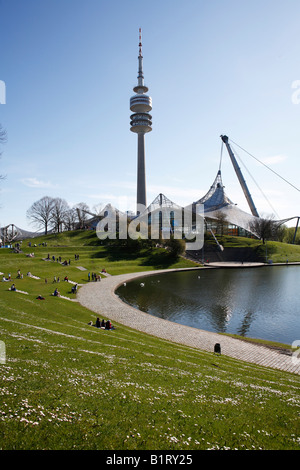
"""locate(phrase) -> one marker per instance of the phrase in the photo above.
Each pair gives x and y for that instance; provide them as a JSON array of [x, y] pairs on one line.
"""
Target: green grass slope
[[67, 385], [278, 252]]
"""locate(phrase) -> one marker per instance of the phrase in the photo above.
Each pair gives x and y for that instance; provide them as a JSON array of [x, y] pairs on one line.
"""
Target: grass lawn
[[278, 252], [67, 385]]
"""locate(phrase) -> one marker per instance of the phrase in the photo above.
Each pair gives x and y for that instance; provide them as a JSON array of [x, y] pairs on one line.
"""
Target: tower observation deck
[[141, 123]]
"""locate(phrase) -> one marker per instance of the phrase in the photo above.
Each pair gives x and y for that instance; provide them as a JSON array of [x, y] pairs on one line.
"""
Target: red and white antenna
[[140, 42]]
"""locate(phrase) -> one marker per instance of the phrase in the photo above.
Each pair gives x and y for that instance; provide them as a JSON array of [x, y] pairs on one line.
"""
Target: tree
[[281, 232], [40, 213], [98, 208], [221, 222], [70, 219], [3, 135], [58, 212], [264, 228], [290, 234], [176, 246], [82, 208]]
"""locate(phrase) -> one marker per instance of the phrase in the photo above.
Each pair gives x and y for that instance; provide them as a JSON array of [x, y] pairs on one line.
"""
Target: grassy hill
[[278, 252], [67, 385]]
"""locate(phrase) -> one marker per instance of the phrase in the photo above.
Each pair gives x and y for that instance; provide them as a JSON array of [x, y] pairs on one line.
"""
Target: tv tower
[[141, 123]]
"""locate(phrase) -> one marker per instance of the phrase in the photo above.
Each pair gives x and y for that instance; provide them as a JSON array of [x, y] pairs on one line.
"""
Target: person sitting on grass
[[97, 323], [74, 289], [56, 293], [108, 325], [13, 288]]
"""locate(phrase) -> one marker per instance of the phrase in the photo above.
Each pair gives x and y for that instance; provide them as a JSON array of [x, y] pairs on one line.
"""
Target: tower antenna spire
[[140, 42], [140, 59]]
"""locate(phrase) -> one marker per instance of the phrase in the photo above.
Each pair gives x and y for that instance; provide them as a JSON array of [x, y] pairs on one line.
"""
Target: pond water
[[253, 302]]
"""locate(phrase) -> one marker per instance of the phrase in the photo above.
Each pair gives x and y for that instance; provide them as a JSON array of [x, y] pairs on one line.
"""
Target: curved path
[[100, 297]]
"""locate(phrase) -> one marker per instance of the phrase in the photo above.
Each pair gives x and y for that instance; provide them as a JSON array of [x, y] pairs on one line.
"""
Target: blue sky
[[212, 67]]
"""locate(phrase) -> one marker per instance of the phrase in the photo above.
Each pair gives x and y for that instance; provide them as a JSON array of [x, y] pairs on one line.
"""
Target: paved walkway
[[234, 264], [100, 297]]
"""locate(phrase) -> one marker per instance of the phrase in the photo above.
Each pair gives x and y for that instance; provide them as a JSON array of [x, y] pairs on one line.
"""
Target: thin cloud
[[35, 183], [274, 160]]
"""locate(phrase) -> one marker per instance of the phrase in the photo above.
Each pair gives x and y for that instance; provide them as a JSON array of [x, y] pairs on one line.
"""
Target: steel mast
[[240, 177]]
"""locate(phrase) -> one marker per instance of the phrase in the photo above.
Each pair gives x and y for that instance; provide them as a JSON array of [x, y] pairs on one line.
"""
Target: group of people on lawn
[[106, 325], [74, 288], [58, 259], [19, 276], [95, 277]]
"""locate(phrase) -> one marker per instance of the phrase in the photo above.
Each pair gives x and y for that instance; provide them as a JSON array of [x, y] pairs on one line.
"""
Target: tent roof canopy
[[216, 197]]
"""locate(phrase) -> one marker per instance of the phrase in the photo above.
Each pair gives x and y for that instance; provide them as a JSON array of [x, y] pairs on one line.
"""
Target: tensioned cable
[[266, 166], [221, 156], [241, 161]]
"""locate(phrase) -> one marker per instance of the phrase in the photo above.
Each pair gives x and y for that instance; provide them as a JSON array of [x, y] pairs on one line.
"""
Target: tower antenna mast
[[140, 43]]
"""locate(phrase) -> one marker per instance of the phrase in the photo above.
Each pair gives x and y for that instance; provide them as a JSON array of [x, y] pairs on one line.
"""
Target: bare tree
[[82, 213], [98, 208], [221, 222], [70, 219], [264, 228], [58, 212], [40, 213], [3, 135]]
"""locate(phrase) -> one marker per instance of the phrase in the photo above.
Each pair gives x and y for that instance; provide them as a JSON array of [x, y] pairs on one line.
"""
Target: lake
[[259, 302]]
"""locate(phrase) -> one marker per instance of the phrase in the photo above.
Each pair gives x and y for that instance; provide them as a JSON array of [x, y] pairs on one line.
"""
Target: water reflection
[[255, 302], [246, 324], [220, 317]]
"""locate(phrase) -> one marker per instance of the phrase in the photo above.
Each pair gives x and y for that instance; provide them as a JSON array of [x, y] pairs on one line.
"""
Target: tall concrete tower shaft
[[141, 123]]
